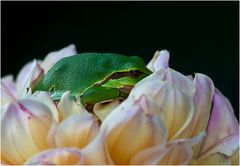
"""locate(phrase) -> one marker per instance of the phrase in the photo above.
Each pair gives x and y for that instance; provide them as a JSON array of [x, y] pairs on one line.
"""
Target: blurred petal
[[176, 153], [222, 124], [214, 159], [235, 158], [67, 106], [159, 61], [132, 129], [226, 146], [24, 130], [55, 56], [8, 90], [28, 77], [203, 102], [102, 110], [76, 131], [173, 94], [59, 156]]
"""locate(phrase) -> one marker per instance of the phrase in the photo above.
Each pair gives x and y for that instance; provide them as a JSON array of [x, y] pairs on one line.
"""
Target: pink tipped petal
[[222, 124], [59, 156], [203, 102], [178, 80], [8, 90], [159, 61], [28, 77], [24, 130], [9, 84], [55, 56]]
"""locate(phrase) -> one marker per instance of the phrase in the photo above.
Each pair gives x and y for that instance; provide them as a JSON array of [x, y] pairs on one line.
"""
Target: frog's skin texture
[[94, 77]]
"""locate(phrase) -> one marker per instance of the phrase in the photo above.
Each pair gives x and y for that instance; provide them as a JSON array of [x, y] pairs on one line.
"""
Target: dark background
[[201, 36]]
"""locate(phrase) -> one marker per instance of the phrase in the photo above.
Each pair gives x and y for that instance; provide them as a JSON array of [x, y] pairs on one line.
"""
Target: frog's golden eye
[[52, 89]]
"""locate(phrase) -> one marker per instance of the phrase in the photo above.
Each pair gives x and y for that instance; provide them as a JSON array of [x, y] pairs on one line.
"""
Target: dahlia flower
[[168, 118]]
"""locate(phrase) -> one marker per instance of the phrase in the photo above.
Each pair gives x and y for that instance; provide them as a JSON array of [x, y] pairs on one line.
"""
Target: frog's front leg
[[97, 94]]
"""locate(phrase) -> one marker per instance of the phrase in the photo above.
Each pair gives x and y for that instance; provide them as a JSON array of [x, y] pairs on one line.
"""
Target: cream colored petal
[[102, 110], [226, 146], [55, 56], [58, 156], [24, 127], [76, 131], [67, 106], [222, 124], [96, 152], [46, 99], [131, 128], [28, 77], [159, 61], [176, 152]]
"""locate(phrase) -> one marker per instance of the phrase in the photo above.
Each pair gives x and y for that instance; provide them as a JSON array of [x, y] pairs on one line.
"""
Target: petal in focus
[[131, 128], [25, 128], [173, 93], [76, 131], [159, 61], [28, 77]]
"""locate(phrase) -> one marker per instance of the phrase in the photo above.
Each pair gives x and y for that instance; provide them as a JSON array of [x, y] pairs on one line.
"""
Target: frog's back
[[76, 73]]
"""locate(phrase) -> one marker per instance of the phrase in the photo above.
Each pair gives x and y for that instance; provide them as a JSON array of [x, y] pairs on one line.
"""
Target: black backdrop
[[201, 36]]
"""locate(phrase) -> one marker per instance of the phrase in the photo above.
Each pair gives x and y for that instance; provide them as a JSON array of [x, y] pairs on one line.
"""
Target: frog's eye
[[52, 89]]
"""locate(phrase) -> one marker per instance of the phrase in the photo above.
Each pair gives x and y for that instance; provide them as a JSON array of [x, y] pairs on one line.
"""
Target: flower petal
[[176, 152], [102, 110], [67, 106], [28, 77], [46, 99], [21, 123], [8, 90], [173, 94], [58, 156], [203, 102], [131, 128], [235, 158], [159, 61], [214, 159], [76, 131], [222, 124], [55, 56], [98, 146]]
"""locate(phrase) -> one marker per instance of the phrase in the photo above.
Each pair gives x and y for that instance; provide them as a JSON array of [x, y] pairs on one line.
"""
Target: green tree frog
[[95, 77]]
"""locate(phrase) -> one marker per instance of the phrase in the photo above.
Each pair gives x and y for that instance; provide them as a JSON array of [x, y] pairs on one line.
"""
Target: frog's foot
[[97, 94]]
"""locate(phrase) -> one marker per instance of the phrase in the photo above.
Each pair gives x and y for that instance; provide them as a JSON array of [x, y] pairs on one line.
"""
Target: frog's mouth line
[[133, 74]]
